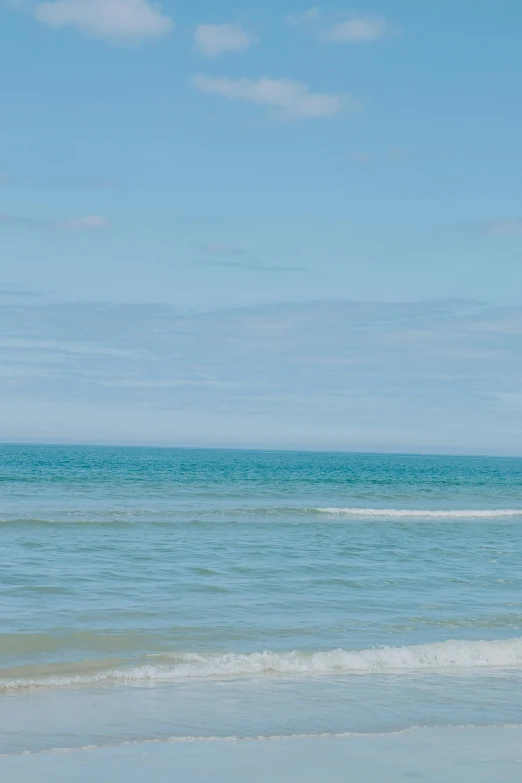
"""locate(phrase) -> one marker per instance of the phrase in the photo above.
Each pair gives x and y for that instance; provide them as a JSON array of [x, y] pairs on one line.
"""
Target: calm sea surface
[[154, 593]]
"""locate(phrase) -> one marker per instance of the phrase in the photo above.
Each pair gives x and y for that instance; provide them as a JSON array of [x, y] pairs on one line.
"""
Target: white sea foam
[[441, 656], [481, 513]]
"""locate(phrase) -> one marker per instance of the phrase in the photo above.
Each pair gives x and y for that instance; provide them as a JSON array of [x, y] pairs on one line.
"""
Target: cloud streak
[[335, 373], [304, 18], [253, 265], [83, 223], [229, 250], [231, 256], [353, 28], [503, 228], [7, 219], [285, 99], [86, 223]]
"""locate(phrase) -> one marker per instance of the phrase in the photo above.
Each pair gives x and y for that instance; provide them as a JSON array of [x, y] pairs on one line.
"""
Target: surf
[[452, 655]]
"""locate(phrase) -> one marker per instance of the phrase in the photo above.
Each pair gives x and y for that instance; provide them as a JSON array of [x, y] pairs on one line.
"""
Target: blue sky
[[216, 158]]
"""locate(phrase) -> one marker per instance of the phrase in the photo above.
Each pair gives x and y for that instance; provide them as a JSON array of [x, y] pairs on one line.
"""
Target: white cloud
[[304, 18], [214, 39], [358, 29], [130, 20], [88, 223], [286, 99]]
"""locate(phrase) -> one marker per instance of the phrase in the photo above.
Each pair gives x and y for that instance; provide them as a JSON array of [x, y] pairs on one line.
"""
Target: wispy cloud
[[358, 29], [346, 28], [364, 158], [16, 292], [80, 348], [7, 219], [83, 223], [217, 249], [125, 20], [503, 228], [212, 40], [80, 183], [311, 15], [285, 99], [168, 383], [253, 265], [334, 373], [392, 156], [231, 256], [86, 223]]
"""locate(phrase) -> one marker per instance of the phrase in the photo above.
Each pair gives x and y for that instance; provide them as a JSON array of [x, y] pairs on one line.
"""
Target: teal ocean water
[[153, 593]]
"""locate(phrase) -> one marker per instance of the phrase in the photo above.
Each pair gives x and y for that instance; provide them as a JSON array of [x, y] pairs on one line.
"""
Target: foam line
[[441, 656], [477, 513]]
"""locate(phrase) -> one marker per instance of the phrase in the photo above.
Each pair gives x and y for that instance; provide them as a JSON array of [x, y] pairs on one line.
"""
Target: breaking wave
[[116, 517], [438, 657], [424, 513]]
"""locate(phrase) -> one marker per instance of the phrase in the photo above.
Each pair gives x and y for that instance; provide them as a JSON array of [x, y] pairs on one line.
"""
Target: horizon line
[[265, 449]]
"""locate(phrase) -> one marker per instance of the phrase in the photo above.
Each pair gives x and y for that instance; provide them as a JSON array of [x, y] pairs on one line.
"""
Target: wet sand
[[446, 755]]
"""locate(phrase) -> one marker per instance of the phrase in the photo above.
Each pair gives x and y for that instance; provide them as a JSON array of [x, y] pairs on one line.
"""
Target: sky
[[273, 225]]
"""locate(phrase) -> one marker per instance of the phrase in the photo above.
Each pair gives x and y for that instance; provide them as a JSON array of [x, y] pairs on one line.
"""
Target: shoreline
[[269, 738], [455, 755]]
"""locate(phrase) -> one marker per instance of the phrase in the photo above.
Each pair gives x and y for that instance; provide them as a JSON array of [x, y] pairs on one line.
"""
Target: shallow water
[[149, 593]]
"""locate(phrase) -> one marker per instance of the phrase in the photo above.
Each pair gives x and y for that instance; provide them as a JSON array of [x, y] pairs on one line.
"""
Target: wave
[[235, 738], [215, 516], [419, 513], [456, 655]]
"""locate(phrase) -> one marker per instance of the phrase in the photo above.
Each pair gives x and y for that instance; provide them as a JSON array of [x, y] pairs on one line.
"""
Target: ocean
[[178, 595]]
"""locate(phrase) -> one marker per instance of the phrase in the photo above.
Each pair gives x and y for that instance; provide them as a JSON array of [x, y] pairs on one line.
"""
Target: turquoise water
[[153, 593]]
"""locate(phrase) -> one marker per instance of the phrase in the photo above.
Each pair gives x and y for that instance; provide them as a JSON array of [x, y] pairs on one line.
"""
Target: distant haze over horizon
[[440, 377]]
